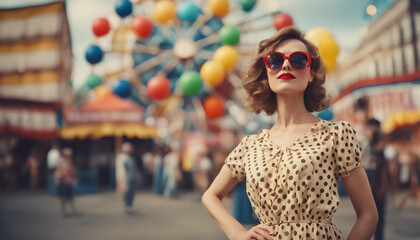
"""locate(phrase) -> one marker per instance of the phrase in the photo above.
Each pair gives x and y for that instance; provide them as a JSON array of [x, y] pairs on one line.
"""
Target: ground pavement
[[31, 216]]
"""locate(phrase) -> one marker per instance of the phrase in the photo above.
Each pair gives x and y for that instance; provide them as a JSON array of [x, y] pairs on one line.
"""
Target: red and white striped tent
[[35, 69]]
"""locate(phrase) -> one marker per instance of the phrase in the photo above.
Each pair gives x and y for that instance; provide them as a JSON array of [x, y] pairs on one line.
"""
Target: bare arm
[[212, 200], [357, 186]]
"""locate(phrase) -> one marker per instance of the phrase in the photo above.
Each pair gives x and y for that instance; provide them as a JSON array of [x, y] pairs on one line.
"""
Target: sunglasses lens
[[275, 61], [299, 60]]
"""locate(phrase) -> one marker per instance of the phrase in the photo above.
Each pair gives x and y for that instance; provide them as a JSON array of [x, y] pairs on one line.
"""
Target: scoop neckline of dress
[[307, 133]]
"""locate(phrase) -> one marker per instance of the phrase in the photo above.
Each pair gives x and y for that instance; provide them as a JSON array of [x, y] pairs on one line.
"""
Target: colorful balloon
[[190, 83], [328, 48], [227, 56], [219, 8], [315, 35], [122, 89], [100, 27], [164, 11], [93, 81], [212, 73], [282, 20], [188, 11], [123, 8], [101, 91], [214, 107], [142, 27], [94, 54], [247, 5], [158, 87], [229, 35]]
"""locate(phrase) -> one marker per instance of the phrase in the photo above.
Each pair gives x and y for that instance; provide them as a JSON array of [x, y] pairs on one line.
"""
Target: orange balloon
[[219, 8], [214, 107]]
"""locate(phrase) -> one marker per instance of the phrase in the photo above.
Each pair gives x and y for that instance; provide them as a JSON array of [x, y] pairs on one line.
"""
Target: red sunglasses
[[299, 60]]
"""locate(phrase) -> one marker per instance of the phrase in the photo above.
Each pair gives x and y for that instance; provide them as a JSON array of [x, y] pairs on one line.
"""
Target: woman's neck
[[292, 111]]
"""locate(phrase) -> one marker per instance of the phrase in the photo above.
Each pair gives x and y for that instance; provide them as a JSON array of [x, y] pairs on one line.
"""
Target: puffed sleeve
[[235, 160], [348, 152]]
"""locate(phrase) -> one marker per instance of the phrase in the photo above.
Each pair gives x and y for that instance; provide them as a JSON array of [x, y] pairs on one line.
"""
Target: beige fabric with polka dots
[[293, 188]]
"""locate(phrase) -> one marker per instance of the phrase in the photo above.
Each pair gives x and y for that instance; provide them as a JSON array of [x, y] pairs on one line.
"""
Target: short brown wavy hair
[[259, 95]]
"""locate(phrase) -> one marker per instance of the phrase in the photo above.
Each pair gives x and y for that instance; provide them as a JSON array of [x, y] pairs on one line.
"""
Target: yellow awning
[[96, 131], [401, 119]]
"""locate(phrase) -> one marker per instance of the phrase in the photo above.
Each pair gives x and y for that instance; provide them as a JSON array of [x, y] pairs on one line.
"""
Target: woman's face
[[287, 79]]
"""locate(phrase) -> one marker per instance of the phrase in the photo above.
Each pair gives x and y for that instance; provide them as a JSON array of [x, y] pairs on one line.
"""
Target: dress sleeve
[[235, 160], [347, 150]]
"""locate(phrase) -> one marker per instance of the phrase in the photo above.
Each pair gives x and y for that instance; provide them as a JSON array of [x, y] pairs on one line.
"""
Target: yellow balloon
[[328, 48], [101, 91], [219, 8], [227, 56], [164, 11], [212, 73], [316, 35]]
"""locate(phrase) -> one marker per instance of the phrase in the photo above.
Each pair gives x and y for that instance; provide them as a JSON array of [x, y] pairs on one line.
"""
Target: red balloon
[[100, 27], [142, 27], [158, 88], [214, 107], [282, 20]]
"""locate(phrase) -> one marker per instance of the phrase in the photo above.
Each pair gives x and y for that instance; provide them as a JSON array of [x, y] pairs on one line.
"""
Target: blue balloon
[[94, 54], [188, 11], [327, 115], [123, 8], [122, 89]]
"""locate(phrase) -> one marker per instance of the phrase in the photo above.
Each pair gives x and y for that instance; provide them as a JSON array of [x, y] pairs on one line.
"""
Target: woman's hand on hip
[[259, 232]]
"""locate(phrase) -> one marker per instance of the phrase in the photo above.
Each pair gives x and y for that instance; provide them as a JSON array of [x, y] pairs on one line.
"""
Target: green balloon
[[247, 5], [229, 35], [190, 83], [93, 81]]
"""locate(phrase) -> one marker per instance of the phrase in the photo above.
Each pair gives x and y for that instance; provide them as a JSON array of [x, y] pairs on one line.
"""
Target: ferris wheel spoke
[[177, 28], [205, 54], [188, 65], [153, 62], [149, 49], [214, 38], [200, 112], [247, 29], [250, 20], [168, 68], [201, 21]]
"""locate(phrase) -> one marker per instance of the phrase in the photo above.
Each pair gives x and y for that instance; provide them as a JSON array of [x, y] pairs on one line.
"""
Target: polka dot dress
[[293, 189]]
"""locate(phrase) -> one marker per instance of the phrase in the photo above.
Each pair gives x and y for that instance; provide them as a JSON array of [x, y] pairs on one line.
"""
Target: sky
[[343, 18]]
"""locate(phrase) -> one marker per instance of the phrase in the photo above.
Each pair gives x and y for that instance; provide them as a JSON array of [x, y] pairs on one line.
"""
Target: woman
[[292, 168]]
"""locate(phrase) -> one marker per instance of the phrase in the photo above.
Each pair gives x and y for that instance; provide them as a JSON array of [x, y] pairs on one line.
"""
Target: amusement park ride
[[186, 58]]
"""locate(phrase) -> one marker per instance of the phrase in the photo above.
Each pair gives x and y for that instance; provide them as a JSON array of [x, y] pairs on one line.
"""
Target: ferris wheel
[[183, 55]]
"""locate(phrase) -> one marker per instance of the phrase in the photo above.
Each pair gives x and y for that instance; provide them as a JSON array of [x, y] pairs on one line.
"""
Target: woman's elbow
[[370, 217]]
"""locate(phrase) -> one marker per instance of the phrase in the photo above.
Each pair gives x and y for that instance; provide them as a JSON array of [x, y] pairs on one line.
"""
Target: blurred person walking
[[377, 170], [53, 158], [65, 178], [127, 175], [158, 183], [171, 163], [32, 164]]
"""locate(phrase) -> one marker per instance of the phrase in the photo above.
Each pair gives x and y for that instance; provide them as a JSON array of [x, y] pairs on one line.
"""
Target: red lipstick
[[286, 76]]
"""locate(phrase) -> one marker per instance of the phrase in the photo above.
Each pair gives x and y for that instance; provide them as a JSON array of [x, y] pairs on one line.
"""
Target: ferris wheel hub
[[185, 48]]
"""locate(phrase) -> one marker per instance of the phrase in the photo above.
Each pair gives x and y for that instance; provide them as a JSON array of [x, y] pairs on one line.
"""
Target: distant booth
[[35, 70], [95, 130]]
